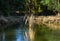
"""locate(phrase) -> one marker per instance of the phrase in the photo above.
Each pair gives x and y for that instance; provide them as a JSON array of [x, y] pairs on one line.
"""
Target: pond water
[[14, 33], [20, 33]]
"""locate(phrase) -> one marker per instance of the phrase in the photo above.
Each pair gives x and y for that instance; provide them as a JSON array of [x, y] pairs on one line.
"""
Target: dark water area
[[14, 33]]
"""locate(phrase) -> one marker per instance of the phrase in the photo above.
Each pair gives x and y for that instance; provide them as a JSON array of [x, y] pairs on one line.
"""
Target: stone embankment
[[50, 21]]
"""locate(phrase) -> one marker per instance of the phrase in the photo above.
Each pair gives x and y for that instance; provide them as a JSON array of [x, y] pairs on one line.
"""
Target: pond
[[44, 33], [18, 33], [14, 33]]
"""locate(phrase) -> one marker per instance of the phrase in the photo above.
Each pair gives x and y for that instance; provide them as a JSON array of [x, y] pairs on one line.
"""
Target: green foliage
[[27, 6], [44, 2], [58, 8], [52, 4], [33, 6]]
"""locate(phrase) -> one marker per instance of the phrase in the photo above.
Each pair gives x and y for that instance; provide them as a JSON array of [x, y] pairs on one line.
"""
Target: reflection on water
[[17, 34], [3, 36]]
